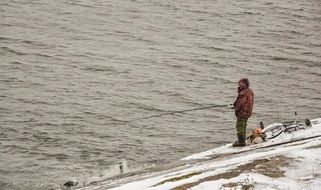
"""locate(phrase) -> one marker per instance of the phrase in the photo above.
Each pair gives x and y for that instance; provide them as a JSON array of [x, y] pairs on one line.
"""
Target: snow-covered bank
[[271, 165], [299, 169]]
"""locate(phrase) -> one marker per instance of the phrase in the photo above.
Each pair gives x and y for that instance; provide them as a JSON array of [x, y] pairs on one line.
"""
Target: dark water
[[73, 71]]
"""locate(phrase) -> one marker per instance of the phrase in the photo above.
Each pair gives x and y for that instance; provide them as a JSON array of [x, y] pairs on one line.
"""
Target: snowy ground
[[295, 165], [303, 172]]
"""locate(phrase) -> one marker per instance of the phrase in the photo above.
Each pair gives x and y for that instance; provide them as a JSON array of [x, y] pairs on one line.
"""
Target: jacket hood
[[244, 83]]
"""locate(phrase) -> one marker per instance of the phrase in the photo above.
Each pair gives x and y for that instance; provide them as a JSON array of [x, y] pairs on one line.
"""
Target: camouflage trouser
[[241, 127]]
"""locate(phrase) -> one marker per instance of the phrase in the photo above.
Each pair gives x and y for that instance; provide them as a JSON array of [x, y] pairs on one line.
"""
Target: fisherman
[[243, 107]]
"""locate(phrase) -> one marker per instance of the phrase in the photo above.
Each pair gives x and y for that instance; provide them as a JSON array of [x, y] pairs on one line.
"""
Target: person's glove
[[232, 106]]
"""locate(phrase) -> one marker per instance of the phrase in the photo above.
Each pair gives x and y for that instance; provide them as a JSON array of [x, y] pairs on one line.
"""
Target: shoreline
[[242, 170]]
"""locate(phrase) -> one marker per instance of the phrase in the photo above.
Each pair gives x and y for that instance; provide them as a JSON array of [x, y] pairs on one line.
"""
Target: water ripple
[[73, 73]]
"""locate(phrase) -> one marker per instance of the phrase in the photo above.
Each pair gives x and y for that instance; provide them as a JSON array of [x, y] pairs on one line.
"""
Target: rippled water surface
[[72, 72]]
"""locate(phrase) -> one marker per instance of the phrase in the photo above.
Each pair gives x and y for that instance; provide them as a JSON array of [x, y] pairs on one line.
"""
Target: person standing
[[243, 107]]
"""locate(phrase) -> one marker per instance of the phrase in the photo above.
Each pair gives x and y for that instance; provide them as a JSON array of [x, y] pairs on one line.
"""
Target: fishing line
[[180, 111]]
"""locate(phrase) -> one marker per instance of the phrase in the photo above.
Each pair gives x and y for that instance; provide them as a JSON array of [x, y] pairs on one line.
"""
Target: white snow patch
[[304, 173], [257, 181]]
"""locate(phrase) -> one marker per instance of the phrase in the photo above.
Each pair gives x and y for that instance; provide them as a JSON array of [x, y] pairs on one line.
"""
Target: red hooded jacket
[[243, 105]]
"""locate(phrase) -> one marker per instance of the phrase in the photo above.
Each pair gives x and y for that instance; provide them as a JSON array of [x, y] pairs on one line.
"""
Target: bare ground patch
[[179, 178], [268, 166], [314, 147]]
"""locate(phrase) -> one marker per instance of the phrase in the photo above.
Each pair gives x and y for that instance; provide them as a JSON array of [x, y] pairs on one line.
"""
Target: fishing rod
[[182, 111]]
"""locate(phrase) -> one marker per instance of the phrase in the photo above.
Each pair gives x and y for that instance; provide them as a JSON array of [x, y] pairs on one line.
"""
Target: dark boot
[[240, 142]]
